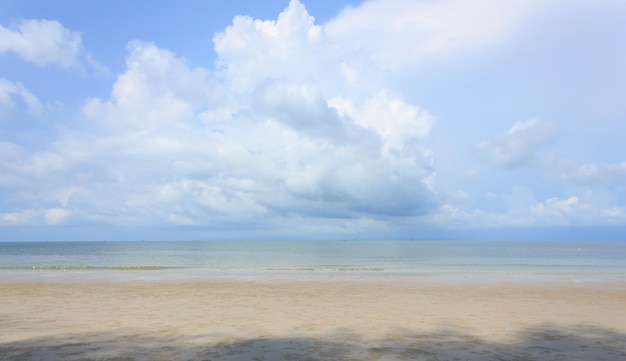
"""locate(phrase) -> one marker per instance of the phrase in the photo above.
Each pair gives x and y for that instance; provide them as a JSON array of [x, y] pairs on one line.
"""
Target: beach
[[342, 318]]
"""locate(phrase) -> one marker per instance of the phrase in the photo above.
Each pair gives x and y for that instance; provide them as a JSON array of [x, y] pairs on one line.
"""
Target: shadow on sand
[[541, 343]]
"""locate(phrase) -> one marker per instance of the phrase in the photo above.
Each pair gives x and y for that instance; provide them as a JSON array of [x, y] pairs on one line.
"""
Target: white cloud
[[362, 44], [519, 145], [10, 92], [573, 211], [556, 206], [398, 122], [288, 48], [158, 89], [56, 215], [18, 218], [590, 174], [396, 33], [523, 210], [52, 216], [44, 42]]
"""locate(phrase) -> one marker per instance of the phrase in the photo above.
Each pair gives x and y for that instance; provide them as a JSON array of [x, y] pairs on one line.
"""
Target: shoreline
[[346, 318], [123, 274]]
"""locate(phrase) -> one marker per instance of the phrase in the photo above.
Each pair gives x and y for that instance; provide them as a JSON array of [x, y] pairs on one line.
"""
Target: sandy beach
[[413, 318]]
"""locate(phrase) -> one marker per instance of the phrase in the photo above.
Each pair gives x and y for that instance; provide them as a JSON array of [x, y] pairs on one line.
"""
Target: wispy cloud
[[11, 94], [519, 145]]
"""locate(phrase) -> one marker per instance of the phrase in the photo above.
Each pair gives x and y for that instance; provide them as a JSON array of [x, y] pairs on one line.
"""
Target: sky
[[301, 119]]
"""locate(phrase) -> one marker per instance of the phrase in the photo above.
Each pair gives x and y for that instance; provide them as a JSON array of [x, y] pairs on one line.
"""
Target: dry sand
[[417, 318]]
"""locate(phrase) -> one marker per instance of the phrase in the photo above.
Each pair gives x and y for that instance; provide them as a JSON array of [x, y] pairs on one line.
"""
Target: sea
[[145, 260]]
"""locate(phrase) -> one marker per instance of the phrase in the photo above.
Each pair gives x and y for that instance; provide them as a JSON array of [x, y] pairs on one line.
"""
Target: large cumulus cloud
[[277, 131]]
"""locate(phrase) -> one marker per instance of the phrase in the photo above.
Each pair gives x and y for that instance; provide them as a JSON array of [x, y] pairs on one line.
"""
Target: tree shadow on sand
[[540, 343]]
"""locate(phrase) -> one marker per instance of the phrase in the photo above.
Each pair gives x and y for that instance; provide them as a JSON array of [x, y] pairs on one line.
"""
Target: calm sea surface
[[297, 258]]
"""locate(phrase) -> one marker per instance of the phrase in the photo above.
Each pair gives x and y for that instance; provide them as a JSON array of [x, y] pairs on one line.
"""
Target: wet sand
[[413, 318]]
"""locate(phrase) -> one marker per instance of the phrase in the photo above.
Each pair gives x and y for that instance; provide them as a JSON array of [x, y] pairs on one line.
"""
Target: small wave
[[328, 269]]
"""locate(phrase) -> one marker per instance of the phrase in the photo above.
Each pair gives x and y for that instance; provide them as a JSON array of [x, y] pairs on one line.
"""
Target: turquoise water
[[227, 258]]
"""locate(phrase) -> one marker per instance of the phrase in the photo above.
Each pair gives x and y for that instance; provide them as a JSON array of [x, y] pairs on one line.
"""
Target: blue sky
[[312, 119]]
